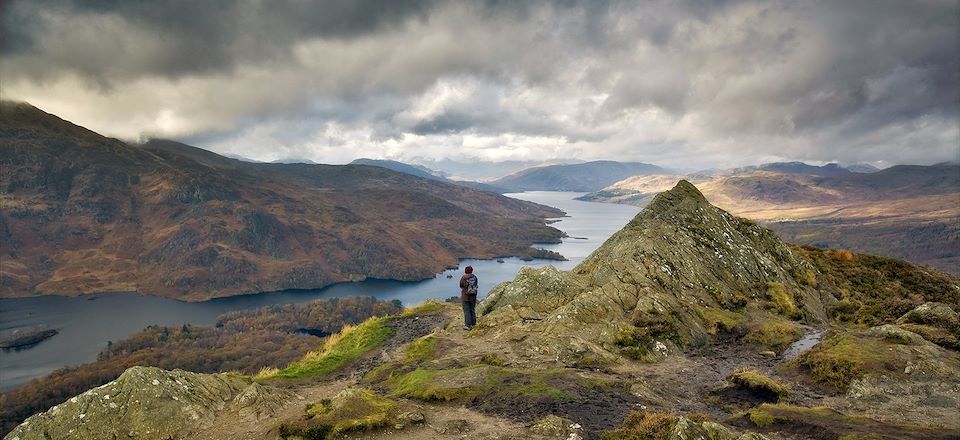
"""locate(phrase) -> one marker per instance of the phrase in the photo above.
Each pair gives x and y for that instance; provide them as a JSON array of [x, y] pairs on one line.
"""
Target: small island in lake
[[26, 338]]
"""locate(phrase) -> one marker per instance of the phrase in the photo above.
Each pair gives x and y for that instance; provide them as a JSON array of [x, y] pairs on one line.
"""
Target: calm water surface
[[87, 323]]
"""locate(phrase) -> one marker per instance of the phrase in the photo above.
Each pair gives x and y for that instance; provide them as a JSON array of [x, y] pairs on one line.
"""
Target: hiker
[[468, 297]]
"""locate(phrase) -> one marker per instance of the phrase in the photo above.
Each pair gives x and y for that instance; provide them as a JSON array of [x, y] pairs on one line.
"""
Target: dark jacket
[[464, 296]]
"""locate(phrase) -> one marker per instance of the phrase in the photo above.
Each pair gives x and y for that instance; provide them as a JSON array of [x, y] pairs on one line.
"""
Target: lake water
[[86, 323]]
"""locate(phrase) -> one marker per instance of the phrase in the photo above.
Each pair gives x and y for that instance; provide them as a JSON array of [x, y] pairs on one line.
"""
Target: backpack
[[472, 285]]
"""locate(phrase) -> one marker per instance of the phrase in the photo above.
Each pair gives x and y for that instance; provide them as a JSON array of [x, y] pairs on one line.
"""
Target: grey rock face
[[149, 403]]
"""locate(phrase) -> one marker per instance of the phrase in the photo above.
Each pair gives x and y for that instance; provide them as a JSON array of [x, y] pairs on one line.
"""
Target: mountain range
[[905, 211], [84, 213], [689, 323], [588, 176], [426, 173]]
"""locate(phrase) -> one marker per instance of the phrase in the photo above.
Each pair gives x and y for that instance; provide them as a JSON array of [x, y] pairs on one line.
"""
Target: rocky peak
[[683, 196], [677, 258]]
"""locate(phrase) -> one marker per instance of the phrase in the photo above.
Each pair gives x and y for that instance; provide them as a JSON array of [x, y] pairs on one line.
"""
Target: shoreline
[[90, 296]]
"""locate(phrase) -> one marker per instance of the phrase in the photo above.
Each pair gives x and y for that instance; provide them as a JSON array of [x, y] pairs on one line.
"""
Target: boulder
[[144, 403], [932, 313]]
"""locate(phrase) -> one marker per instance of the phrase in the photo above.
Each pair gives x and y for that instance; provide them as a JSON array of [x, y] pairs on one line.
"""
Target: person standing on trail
[[468, 297]]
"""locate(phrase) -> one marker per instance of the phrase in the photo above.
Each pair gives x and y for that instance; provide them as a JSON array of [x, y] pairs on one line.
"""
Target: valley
[[680, 324], [85, 334]]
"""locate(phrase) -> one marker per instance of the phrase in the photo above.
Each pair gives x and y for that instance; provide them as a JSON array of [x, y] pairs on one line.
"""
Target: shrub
[[782, 300], [759, 384], [720, 320], [642, 426], [773, 334]]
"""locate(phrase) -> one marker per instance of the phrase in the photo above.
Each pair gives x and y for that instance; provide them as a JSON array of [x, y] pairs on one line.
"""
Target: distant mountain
[[413, 170], [589, 176], [426, 173], [830, 169], [905, 211], [294, 160], [482, 170], [863, 168], [83, 213]]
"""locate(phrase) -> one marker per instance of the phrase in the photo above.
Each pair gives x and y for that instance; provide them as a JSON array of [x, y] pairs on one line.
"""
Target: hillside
[[426, 173], [589, 176], [905, 211], [83, 213], [685, 324]]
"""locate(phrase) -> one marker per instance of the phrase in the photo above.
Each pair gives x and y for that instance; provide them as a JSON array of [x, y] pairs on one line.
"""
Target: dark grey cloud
[[715, 82]]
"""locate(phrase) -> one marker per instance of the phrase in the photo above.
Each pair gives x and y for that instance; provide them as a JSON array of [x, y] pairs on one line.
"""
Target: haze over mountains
[[84, 213]]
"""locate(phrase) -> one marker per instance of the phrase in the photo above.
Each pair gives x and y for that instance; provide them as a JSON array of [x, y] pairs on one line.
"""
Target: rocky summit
[[688, 323]]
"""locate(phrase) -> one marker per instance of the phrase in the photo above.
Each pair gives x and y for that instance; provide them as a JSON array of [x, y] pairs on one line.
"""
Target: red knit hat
[[469, 269]]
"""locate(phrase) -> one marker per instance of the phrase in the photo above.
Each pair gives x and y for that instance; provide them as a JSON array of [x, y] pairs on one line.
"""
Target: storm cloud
[[691, 84]]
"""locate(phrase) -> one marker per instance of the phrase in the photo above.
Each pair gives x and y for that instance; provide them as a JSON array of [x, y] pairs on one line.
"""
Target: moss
[[350, 411], [467, 383], [782, 300], [720, 320], [422, 349], [842, 358], [436, 385], [757, 382], [773, 334], [339, 349], [642, 426]]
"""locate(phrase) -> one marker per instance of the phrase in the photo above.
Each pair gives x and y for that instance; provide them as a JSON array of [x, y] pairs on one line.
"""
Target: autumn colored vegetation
[[244, 341]]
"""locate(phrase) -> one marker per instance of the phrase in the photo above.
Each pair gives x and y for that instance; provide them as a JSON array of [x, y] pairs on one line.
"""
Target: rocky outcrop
[[150, 403], [678, 256], [931, 313]]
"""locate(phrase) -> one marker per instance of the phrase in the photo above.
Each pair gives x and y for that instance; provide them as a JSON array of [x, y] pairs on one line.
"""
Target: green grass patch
[[427, 308], [772, 333], [721, 320], [466, 383], [421, 349], [439, 385], [761, 418], [782, 300], [842, 358], [353, 410], [339, 349], [759, 383]]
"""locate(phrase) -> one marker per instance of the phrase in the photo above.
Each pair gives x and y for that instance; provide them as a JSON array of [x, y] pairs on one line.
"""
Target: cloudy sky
[[678, 83]]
